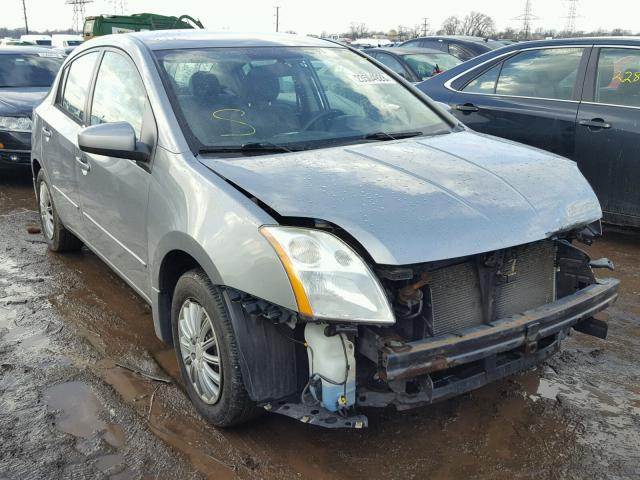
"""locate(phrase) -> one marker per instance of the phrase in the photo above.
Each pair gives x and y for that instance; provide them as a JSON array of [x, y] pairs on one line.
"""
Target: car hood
[[426, 199], [21, 100]]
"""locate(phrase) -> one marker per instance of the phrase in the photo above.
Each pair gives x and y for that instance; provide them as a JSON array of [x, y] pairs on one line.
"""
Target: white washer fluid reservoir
[[333, 359]]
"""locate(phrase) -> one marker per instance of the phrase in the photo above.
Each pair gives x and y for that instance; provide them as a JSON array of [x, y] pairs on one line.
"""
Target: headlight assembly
[[15, 124], [330, 281]]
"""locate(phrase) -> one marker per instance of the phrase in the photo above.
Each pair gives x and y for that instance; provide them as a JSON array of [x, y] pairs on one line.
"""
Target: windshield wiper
[[261, 147], [391, 136]]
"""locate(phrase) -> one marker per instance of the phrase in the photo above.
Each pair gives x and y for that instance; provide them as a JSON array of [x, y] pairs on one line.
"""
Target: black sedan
[[579, 98], [414, 64], [26, 74], [460, 46]]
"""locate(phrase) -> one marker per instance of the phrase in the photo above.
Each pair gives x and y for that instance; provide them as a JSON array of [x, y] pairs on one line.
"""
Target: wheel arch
[[176, 254]]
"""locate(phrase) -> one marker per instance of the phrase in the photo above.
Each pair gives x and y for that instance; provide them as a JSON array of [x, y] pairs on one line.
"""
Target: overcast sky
[[334, 16]]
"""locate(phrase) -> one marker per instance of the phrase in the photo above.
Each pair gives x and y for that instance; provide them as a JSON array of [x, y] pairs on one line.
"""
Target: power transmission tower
[[277, 18], [425, 26], [527, 17], [119, 6], [26, 22], [78, 12], [571, 17]]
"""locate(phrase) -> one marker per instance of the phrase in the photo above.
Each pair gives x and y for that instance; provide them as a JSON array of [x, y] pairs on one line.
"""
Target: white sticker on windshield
[[51, 55], [372, 78]]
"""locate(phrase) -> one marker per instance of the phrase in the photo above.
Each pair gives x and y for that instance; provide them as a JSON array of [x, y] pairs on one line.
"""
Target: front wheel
[[58, 238], [207, 352]]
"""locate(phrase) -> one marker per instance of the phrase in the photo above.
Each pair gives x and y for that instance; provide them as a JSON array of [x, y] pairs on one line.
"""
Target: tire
[[232, 406], [58, 238]]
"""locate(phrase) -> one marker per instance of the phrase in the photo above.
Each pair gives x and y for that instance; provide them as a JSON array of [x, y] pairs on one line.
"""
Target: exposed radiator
[[456, 297]]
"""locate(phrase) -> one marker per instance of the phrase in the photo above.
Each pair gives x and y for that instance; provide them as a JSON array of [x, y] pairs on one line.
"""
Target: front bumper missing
[[450, 365]]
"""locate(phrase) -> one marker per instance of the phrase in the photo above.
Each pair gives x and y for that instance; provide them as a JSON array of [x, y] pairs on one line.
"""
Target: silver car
[[314, 235]]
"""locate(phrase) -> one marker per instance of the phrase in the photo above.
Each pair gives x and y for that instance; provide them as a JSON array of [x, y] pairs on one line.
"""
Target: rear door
[[60, 125], [608, 135], [114, 191], [531, 97]]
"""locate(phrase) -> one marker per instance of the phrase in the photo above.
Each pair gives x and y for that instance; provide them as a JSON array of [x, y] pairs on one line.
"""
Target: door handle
[[594, 123], [467, 107], [46, 132], [85, 167]]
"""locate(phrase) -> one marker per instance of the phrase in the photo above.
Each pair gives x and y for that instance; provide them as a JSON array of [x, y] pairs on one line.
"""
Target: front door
[[113, 190], [531, 97], [60, 125], [608, 136]]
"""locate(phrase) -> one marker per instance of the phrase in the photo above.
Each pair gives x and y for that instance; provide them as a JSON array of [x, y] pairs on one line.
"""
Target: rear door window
[[618, 77], [77, 84], [545, 73], [485, 82]]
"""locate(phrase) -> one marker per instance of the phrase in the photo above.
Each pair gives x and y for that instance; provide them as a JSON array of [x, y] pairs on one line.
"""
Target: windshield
[[298, 97], [29, 70], [428, 65]]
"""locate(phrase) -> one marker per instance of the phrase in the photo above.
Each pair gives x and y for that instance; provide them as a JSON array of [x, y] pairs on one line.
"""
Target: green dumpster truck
[[139, 22]]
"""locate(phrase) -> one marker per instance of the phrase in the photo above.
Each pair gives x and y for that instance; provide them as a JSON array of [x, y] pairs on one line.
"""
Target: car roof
[[577, 41], [173, 39], [26, 50], [407, 50], [458, 38]]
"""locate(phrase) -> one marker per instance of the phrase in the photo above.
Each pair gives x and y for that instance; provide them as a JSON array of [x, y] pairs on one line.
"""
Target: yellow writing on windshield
[[250, 129]]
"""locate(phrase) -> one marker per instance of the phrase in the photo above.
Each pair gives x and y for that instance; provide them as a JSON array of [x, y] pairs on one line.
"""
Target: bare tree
[[478, 24], [402, 33], [415, 31], [619, 32], [451, 26], [358, 30]]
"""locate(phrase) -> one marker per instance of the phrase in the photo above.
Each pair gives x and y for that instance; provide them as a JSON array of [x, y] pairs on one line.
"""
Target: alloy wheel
[[46, 211], [199, 351]]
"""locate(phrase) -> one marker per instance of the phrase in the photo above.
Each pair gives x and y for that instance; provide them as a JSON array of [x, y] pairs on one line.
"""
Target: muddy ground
[[87, 391]]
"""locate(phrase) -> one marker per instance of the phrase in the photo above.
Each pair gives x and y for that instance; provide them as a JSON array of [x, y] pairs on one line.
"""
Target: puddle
[[80, 413]]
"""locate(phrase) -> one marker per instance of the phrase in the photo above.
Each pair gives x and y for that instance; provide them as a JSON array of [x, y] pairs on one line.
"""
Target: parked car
[[26, 74], [313, 234], [579, 98], [40, 40], [460, 46], [66, 41], [414, 64]]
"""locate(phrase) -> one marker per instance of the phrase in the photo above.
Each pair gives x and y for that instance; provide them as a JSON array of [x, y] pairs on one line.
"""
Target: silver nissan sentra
[[314, 234]]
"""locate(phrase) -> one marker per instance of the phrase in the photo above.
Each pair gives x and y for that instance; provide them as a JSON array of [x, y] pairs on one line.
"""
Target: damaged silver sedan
[[314, 235]]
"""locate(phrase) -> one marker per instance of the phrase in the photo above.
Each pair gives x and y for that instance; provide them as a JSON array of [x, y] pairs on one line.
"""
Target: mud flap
[[268, 359]]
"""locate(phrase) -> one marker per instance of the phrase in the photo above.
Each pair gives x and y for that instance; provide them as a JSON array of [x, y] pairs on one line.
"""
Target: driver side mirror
[[117, 139]]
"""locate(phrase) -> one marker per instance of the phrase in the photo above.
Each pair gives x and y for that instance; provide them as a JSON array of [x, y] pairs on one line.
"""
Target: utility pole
[[571, 17], [78, 11], [277, 18], [26, 22], [425, 25], [526, 18]]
